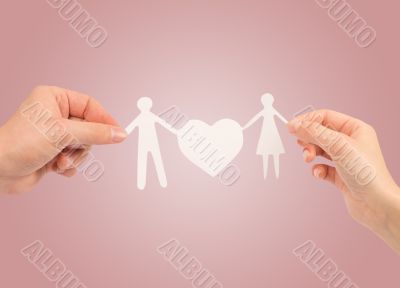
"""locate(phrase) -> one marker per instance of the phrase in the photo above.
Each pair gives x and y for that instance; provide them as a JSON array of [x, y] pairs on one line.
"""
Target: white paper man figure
[[270, 142], [148, 142]]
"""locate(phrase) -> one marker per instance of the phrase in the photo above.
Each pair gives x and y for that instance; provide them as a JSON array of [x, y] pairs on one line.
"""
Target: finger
[[71, 158], [52, 165], [301, 143], [80, 158], [75, 104], [332, 120], [330, 141], [68, 173], [94, 133], [63, 162], [329, 174], [311, 151]]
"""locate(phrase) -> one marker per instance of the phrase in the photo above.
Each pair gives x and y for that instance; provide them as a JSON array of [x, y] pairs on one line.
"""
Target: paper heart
[[211, 148]]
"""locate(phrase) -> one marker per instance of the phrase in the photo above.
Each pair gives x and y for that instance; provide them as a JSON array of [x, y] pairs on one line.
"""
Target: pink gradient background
[[213, 59]]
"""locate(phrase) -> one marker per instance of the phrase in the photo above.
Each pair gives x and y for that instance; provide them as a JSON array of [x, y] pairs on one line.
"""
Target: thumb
[[94, 133]]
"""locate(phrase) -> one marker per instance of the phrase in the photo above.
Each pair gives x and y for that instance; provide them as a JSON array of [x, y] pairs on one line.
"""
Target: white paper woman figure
[[270, 142], [148, 142]]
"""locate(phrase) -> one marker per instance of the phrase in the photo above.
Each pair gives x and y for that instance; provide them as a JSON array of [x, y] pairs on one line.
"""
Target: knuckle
[[38, 91], [368, 128], [371, 128]]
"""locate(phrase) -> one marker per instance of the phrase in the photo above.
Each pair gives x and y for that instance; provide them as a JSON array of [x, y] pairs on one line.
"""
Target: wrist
[[389, 229], [393, 220], [5, 183]]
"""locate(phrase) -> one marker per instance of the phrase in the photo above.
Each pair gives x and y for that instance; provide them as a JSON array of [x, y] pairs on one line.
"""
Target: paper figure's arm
[[252, 121], [132, 126], [164, 123], [283, 119]]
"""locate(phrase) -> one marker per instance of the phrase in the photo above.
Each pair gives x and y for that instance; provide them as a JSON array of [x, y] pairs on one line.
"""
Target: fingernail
[[317, 173], [118, 135], [294, 125], [306, 154]]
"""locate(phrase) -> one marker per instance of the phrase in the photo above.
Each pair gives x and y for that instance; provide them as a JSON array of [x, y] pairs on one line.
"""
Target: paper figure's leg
[[158, 163], [142, 169], [276, 165], [265, 165]]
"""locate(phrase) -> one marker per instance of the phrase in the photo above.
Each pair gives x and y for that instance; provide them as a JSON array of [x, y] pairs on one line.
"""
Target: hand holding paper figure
[[32, 149]]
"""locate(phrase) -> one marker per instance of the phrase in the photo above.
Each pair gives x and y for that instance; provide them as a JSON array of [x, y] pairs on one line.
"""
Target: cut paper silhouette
[[211, 148], [148, 142], [270, 142]]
